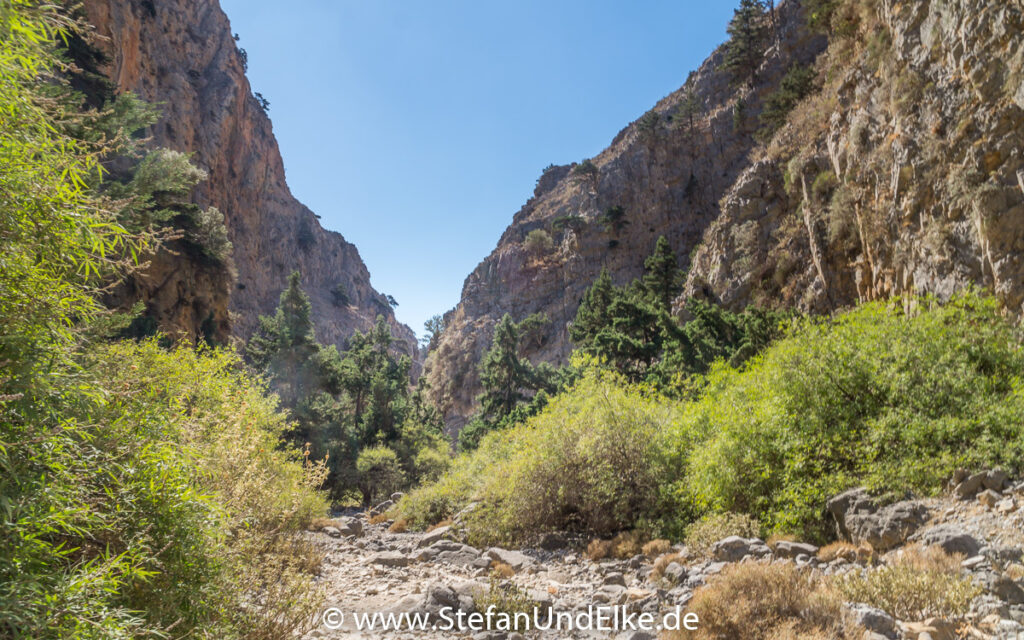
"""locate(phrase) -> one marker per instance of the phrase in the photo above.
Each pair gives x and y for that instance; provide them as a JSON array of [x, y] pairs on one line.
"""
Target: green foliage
[[878, 396], [143, 490], [585, 171], [631, 329], [613, 220], [687, 110], [648, 125], [819, 13], [748, 37], [514, 389], [588, 462], [380, 473], [432, 329], [797, 84], [345, 402], [702, 534], [824, 184], [538, 243], [561, 223], [211, 235]]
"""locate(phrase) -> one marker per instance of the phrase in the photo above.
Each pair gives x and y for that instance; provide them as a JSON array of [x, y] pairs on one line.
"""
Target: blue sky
[[417, 129]]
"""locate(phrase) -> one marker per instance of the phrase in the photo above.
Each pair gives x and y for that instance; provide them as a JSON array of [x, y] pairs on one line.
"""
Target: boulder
[[674, 573], [735, 548], [433, 536], [390, 559], [995, 480], [989, 498], [615, 578], [871, 619], [860, 519], [786, 549], [514, 559], [952, 539], [334, 532], [349, 526], [969, 486]]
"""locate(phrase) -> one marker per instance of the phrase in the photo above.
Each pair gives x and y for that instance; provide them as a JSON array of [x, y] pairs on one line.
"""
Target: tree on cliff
[[748, 36], [663, 279]]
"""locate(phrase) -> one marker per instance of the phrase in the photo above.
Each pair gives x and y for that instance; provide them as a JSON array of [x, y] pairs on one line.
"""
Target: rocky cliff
[[181, 54], [903, 175], [665, 174]]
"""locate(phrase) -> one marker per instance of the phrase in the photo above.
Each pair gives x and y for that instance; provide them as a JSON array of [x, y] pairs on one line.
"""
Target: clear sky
[[417, 129]]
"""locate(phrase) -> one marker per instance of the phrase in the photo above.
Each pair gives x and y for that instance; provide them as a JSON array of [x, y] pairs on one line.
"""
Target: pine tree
[[748, 33], [503, 375], [593, 313], [662, 276]]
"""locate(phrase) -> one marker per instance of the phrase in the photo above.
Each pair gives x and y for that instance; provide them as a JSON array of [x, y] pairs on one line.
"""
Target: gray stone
[[995, 480], [952, 539], [553, 541], [871, 619], [390, 559], [350, 526], [786, 549], [615, 578], [334, 532], [514, 559], [989, 498], [735, 548], [967, 488], [674, 572], [396, 496], [886, 527], [431, 537]]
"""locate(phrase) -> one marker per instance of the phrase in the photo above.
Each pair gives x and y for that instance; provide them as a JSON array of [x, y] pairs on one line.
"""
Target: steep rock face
[[904, 175], [181, 54], [667, 175]]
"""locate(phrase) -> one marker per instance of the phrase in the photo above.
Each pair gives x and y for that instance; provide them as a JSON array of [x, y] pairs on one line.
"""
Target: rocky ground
[[369, 569]]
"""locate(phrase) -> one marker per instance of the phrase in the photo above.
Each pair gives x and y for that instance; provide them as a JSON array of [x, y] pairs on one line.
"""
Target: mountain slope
[[181, 54], [666, 175]]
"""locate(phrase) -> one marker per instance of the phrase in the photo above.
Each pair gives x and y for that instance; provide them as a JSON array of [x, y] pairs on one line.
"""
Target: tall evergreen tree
[[503, 375], [748, 36], [662, 276]]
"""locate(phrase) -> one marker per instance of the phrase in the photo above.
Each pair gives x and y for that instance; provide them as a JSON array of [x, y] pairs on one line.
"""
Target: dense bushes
[[894, 395], [881, 396], [143, 492], [589, 461]]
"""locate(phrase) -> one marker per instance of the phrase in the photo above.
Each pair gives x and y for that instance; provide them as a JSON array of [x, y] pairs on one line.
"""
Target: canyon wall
[[181, 55]]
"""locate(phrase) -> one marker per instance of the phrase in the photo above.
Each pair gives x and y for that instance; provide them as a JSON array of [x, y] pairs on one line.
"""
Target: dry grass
[[851, 553], [914, 584], [400, 525], [778, 537], [766, 602], [502, 570], [319, 523], [379, 518], [655, 548], [658, 572], [443, 523], [625, 545]]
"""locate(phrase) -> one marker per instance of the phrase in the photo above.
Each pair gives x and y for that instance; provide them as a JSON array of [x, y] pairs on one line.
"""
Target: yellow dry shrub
[[766, 602], [655, 548]]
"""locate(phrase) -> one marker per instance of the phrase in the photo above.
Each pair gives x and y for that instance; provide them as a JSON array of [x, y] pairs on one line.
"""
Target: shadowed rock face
[[181, 54], [668, 176]]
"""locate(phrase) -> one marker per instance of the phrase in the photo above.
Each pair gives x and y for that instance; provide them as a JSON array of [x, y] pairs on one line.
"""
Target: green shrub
[[588, 461], [914, 585], [704, 533], [380, 473], [538, 243], [796, 85], [893, 399]]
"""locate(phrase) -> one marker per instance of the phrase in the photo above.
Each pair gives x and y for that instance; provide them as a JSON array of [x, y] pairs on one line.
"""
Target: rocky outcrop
[[903, 175], [667, 173], [181, 54]]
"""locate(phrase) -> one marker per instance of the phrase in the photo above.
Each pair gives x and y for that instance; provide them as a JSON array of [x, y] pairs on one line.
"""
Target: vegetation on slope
[[143, 491], [895, 398]]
